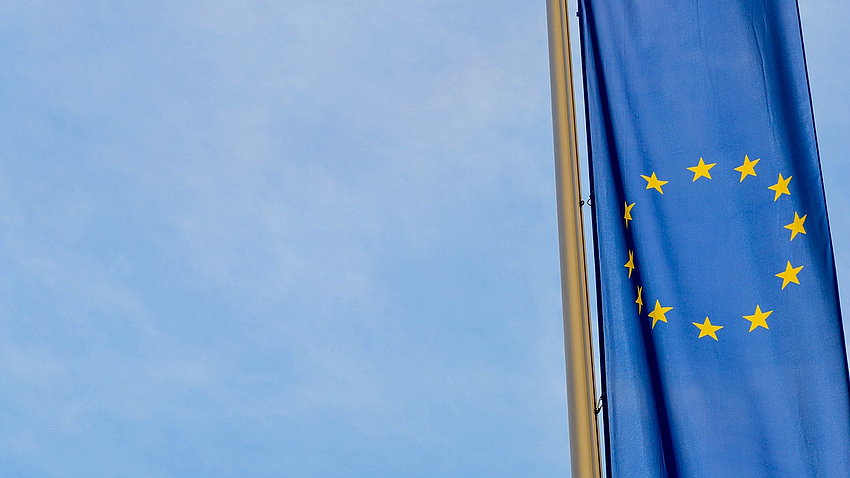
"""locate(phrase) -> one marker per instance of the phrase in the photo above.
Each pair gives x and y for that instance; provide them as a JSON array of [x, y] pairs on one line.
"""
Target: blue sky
[[307, 239]]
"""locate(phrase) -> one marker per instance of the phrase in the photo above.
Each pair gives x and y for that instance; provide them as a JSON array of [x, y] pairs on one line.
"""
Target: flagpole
[[581, 386]]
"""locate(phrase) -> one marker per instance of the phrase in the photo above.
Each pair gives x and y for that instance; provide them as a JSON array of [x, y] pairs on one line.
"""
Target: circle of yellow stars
[[758, 319]]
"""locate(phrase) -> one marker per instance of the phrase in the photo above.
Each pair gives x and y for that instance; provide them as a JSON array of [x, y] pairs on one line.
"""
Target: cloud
[[268, 236]]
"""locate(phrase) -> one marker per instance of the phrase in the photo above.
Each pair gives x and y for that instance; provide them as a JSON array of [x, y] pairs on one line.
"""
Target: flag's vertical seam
[[597, 266]]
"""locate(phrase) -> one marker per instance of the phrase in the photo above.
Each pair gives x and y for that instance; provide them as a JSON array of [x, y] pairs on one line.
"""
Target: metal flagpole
[[581, 386]]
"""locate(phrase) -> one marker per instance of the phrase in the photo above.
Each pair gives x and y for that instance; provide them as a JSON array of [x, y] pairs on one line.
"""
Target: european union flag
[[723, 345]]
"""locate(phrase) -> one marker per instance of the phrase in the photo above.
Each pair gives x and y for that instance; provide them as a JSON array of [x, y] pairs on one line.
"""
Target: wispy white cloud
[[279, 221]]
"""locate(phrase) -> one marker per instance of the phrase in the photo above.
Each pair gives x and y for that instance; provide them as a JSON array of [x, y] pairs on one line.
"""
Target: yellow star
[[797, 225], [631, 264], [658, 313], [748, 168], [789, 274], [706, 329], [628, 215], [781, 187], [758, 319], [639, 301], [701, 170], [653, 182]]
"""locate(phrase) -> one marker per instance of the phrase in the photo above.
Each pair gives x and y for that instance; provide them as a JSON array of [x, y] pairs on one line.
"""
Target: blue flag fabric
[[723, 344]]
